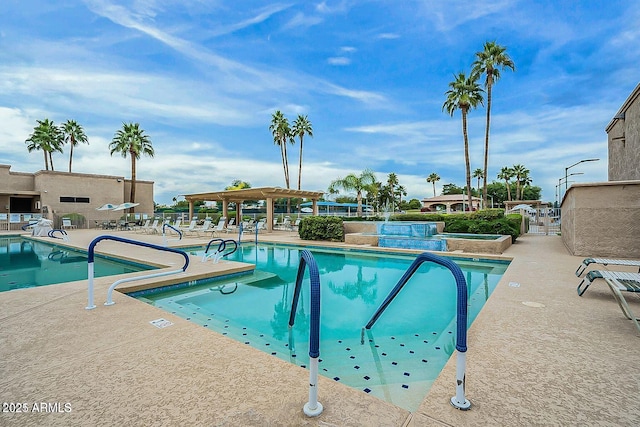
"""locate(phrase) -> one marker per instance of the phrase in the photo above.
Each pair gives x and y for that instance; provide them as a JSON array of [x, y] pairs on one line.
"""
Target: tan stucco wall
[[624, 154], [602, 219]]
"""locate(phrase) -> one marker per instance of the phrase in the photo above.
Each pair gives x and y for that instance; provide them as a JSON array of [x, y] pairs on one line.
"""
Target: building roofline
[[625, 106]]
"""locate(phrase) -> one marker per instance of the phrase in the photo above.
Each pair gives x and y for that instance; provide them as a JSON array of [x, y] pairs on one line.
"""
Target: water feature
[[421, 235]]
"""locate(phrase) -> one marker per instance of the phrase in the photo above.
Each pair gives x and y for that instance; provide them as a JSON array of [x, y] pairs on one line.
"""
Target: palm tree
[[131, 141], [281, 132], [392, 181], [506, 173], [433, 178], [46, 137], [301, 126], [400, 191], [355, 183], [72, 133], [464, 93], [519, 172], [478, 173], [489, 62]]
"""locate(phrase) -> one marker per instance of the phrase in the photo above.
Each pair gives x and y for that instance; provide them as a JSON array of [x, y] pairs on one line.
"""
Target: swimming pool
[[403, 353], [26, 263]]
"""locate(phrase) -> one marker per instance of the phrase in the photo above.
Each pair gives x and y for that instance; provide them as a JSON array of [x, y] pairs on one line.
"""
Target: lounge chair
[[286, 224], [296, 224], [204, 228], [231, 226], [191, 228], [144, 227], [66, 224], [220, 226], [262, 225], [606, 261], [618, 282], [153, 228]]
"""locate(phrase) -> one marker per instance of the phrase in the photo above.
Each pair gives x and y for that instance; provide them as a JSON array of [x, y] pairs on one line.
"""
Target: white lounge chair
[[153, 228], [143, 227], [219, 227], [618, 282], [191, 228], [231, 226], [606, 261], [66, 224], [286, 224], [204, 228]]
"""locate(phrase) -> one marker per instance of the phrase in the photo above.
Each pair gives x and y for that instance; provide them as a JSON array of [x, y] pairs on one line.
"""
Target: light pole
[[566, 182], [566, 170]]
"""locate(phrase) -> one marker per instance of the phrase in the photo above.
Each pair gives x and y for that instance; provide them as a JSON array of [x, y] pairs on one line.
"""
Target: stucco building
[[54, 194], [603, 219]]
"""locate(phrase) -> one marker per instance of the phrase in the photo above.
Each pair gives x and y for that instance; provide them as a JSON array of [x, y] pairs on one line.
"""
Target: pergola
[[262, 193]]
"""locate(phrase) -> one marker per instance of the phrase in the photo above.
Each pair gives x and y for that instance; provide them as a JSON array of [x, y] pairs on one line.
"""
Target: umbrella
[[527, 208], [124, 206], [106, 207]]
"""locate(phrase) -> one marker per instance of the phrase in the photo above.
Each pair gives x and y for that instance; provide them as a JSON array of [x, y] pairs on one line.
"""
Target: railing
[[312, 408], [218, 254], [458, 401], [166, 241], [90, 266], [64, 237]]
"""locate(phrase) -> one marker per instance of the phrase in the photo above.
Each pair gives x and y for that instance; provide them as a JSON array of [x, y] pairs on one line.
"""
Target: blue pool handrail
[[458, 401], [64, 237], [219, 252], [165, 241], [91, 259], [312, 408]]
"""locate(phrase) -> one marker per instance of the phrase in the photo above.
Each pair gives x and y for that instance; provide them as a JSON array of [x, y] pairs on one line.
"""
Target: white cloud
[[339, 60]]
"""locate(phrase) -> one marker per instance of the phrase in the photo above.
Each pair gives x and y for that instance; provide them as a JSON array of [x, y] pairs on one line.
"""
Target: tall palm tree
[[392, 181], [301, 126], [355, 183], [478, 173], [433, 178], [281, 132], [506, 173], [131, 141], [400, 191], [46, 137], [489, 62], [464, 93], [72, 133], [519, 172]]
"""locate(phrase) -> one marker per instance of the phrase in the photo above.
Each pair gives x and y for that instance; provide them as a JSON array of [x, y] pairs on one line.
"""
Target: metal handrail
[[64, 234], [312, 408], [165, 241], [221, 247], [90, 266], [458, 401]]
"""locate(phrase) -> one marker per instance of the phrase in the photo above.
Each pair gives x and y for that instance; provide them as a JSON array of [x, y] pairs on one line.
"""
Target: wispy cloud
[[388, 36], [339, 60], [302, 20]]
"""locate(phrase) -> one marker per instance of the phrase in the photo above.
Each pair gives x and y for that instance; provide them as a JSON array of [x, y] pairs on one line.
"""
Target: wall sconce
[[119, 180]]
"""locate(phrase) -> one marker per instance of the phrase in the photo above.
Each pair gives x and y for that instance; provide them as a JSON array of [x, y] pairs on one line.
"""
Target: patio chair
[[153, 228], [296, 224], [219, 227], [204, 228], [66, 224], [286, 224], [231, 226], [144, 227], [605, 261], [618, 282]]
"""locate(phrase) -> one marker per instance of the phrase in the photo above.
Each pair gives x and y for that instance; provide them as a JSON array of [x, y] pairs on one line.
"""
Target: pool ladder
[[90, 266], [458, 401], [219, 253]]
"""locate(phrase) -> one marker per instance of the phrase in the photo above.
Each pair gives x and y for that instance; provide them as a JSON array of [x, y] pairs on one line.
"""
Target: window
[[69, 199]]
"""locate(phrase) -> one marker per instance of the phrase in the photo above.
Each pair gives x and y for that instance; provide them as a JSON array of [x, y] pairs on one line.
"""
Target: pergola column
[[190, 209], [269, 203], [225, 209]]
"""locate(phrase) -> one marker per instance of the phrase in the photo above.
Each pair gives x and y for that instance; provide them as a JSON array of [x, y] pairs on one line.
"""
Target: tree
[[489, 62], [506, 173], [464, 93], [301, 126], [400, 191], [281, 132], [478, 173], [392, 181], [433, 178], [46, 137], [72, 134], [131, 141], [355, 183], [519, 172], [451, 189]]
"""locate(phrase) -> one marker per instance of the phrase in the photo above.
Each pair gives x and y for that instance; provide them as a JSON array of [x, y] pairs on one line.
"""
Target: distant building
[[623, 134], [53, 194], [451, 203]]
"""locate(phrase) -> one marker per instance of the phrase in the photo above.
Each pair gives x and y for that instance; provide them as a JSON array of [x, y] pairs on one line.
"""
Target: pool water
[[403, 353], [26, 263]]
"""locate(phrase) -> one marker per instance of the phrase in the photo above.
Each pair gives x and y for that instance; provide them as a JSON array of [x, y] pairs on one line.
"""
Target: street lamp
[[559, 186], [566, 170]]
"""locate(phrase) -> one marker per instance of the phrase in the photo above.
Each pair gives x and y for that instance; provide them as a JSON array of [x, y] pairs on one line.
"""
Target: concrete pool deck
[[537, 355]]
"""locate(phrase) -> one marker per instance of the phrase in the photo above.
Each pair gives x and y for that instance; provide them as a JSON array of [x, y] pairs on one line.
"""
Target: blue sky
[[203, 78]]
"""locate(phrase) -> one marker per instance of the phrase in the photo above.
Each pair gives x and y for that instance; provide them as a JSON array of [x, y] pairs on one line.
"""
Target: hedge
[[328, 228]]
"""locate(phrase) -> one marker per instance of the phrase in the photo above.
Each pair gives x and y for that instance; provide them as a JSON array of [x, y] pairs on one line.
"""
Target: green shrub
[[498, 226], [417, 217], [328, 228], [488, 214], [457, 224]]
